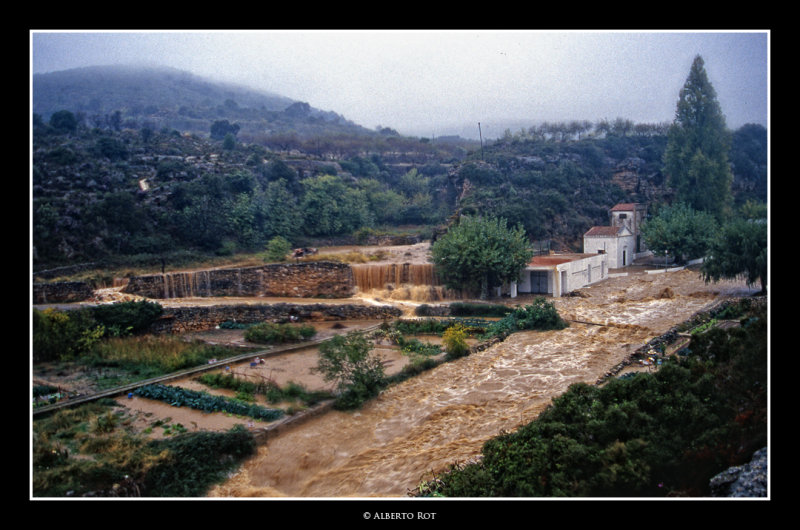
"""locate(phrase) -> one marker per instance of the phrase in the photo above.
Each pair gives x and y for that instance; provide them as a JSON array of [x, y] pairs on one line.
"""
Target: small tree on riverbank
[[480, 253], [348, 360]]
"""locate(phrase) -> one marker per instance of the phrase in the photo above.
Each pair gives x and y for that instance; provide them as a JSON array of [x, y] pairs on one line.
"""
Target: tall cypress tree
[[696, 157]]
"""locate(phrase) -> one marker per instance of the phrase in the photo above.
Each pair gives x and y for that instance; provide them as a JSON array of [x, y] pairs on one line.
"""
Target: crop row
[[182, 397]]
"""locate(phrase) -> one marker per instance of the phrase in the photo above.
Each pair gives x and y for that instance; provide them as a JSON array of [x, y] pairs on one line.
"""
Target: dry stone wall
[[201, 318], [321, 279], [61, 292]]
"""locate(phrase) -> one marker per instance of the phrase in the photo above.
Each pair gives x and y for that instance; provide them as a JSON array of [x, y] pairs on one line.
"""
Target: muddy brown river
[[445, 415]]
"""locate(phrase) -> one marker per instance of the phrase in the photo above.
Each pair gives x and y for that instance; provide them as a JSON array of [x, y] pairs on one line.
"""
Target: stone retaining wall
[[202, 318], [61, 292], [322, 279]]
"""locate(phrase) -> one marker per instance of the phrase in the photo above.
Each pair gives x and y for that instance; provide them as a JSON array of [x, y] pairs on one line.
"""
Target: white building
[[559, 274], [617, 242], [621, 241]]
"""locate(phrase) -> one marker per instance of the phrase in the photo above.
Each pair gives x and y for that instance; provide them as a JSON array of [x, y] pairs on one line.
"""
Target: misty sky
[[431, 83]]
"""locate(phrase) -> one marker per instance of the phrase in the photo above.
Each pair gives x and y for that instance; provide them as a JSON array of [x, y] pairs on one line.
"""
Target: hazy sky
[[445, 82]]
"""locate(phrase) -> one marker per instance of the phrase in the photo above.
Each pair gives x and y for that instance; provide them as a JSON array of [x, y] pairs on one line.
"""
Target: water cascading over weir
[[400, 281], [292, 280], [187, 284]]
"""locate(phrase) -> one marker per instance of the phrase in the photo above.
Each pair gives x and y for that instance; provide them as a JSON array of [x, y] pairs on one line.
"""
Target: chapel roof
[[626, 207], [604, 231]]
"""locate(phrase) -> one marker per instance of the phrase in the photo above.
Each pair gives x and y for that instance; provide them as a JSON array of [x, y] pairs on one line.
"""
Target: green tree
[[331, 207], [240, 217], [281, 214], [277, 249], [229, 142], [740, 250], [221, 128], [680, 231], [480, 253], [349, 361], [63, 121], [698, 145]]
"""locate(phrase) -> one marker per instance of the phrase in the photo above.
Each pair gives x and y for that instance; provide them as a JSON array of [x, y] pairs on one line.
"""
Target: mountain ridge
[[161, 96]]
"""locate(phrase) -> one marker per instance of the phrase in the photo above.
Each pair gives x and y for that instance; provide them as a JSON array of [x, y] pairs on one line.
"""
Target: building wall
[[620, 250], [633, 221], [561, 279], [586, 271]]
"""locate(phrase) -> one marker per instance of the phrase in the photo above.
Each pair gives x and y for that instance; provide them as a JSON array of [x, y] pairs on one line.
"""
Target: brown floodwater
[[443, 416]]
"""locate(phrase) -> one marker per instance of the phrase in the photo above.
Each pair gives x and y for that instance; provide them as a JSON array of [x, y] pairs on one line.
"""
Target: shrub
[[63, 335], [125, 318], [466, 309], [423, 310], [348, 360], [196, 461], [455, 341], [114, 463], [540, 315], [268, 389], [277, 249], [421, 327], [271, 333]]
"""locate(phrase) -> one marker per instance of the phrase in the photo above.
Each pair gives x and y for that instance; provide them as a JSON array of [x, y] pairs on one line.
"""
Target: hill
[[161, 97], [125, 166]]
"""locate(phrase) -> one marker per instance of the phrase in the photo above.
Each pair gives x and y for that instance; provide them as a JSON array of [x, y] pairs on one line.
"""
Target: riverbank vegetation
[[108, 344], [92, 451], [653, 435], [272, 333], [271, 391]]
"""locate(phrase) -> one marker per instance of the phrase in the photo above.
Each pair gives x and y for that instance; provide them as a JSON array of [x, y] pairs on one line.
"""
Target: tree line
[[88, 204]]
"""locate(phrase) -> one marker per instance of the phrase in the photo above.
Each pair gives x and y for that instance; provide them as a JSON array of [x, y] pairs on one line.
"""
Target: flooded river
[[444, 416]]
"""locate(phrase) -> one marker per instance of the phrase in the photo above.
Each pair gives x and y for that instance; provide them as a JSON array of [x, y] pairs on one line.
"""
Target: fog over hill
[[435, 83], [168, 97]]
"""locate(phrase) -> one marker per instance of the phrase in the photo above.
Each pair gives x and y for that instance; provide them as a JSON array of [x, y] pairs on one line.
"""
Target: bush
[[63, 335], [273, 393], [424, 310], [196, 461], [430, 326], [455, 341], [271, 333], [277, 249], [466, 309], [125, 318], [348, 360], [540, 315], [112, 462]]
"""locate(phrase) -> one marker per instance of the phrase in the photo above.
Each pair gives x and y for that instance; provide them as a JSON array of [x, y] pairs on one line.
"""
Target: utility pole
[[480, 135]]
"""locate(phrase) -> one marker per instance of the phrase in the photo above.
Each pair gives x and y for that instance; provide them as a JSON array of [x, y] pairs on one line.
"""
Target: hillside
[[169, 98], [128, 170]]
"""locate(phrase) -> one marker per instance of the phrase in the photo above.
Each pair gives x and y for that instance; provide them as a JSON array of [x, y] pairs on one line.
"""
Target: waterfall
[[186, 284], [368, 277], [400, 281]]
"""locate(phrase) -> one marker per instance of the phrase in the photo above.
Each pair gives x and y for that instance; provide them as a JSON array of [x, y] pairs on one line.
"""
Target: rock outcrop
[[748, 480]]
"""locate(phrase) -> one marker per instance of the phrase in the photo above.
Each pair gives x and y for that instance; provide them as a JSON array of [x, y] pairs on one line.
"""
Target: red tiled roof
[[625, 207], [603, 231], [555, 259]]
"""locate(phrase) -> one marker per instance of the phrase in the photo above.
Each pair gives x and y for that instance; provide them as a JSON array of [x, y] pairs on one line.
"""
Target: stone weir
[[321, 279], [202, 318]]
